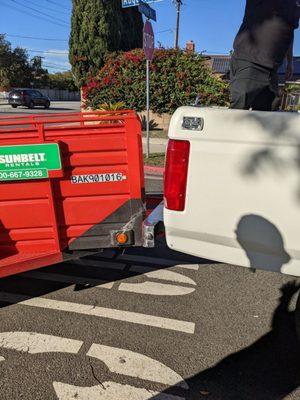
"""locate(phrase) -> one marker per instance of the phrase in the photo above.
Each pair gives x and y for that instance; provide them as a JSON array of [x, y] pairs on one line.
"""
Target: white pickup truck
[[232, 187]]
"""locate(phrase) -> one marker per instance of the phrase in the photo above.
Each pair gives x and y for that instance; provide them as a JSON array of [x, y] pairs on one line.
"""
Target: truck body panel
[[243, 189]]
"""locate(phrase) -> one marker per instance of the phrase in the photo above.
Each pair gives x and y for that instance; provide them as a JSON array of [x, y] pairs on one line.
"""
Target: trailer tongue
[[70, 184]]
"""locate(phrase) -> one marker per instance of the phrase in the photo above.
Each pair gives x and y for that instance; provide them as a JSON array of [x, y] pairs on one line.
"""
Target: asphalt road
[[134, 328], [148, 324], [56, 107]]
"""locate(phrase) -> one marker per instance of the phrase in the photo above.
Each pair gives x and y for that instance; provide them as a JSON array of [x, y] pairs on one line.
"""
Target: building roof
[[221, 65]]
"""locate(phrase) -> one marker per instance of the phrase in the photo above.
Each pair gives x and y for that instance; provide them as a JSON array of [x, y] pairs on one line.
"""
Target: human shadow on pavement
[[262, 242], [268, 369]]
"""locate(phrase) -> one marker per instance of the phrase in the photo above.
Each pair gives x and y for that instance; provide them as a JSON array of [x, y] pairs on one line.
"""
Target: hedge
[[176, 79]]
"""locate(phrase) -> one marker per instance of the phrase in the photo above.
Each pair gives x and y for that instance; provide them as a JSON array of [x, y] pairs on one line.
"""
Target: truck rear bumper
[[153, 225]]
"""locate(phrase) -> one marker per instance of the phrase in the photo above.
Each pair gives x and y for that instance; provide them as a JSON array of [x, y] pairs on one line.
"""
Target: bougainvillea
[[176, 79]]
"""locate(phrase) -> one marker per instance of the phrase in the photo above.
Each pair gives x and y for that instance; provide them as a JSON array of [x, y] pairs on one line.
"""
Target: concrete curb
[[156, 141], [150, 170]]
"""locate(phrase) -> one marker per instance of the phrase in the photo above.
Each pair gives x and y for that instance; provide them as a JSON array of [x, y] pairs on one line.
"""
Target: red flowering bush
[[176, 79]]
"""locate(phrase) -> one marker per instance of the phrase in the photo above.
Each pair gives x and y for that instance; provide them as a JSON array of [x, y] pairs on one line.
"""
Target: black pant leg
[[252, 86]]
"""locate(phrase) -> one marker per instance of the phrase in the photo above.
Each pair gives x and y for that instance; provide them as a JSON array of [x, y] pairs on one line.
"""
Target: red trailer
[[70, 184]]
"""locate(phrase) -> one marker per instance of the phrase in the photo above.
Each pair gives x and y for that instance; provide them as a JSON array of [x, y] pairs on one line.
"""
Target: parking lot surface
[[139, 326], [56, 107], [148, 324]]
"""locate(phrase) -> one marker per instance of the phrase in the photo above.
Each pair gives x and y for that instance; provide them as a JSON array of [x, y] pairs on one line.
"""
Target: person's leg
[[275, 88], [250, 86], [239, 98]]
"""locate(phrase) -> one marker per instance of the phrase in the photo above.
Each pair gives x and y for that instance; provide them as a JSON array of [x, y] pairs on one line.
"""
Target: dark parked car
[[28, 98]]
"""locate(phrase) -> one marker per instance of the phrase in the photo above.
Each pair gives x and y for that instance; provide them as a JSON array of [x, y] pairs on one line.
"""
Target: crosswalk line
[[155, 289], [108, 391], [35, 343], [193, 267], [162, 274], [101, 312], [126, 362], [80, 280], [168, 262], [85, 262]]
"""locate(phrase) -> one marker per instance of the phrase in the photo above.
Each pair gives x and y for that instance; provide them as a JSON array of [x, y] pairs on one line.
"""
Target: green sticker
[[28, 161]]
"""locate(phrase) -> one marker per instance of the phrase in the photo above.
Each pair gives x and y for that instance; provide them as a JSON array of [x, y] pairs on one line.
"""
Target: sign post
[[149, 52], [148, 46]]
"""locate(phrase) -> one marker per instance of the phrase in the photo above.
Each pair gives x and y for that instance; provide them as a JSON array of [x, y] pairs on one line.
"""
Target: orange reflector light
[[122, 238]]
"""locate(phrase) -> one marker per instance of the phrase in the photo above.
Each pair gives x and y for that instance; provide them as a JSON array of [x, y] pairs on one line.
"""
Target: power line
[[62, 53], [39, 12], [37, 38], [56, 4], [47, 8], [53, 67], [32, 15], [165, 31]]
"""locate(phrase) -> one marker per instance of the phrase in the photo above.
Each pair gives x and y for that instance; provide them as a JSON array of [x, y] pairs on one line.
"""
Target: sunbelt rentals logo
[[22, 160]]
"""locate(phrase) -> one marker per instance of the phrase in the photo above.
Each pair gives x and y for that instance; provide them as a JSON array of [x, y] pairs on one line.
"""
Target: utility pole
[[178, 4]]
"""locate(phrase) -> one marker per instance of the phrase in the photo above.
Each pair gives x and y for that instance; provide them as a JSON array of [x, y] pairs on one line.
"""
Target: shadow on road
[[269, 369], [262, 242], [93, 270]]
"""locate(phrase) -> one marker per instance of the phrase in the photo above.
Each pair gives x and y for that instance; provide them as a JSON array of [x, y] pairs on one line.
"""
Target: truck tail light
[[176, 172]]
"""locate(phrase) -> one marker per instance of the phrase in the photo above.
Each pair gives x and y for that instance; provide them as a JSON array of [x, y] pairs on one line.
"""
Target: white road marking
[[150, 260], [108, 391], [193, 267], [155, 288], [33, 343], [119, 315], [97, 264], [162, 274], [47, 276], [136, 365]]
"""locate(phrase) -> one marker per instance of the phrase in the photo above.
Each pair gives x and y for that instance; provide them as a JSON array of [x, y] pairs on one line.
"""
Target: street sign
[[149, 12], [148, 41], [133, 3]]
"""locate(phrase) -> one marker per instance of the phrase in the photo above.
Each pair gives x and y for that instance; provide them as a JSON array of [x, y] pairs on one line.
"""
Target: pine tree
[[98, 27]]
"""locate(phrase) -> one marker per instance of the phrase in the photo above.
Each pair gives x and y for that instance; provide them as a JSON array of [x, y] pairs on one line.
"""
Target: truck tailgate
[[242, 201]]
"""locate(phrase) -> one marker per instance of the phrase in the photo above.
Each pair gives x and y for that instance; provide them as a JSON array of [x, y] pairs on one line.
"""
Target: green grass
[[155, 160], [157, 134]]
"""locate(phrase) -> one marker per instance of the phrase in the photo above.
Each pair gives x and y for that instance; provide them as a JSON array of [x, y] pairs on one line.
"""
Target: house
[[220, 65]]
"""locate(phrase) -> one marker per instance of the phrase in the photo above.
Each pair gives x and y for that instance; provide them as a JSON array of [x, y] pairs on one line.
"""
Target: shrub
[[176, 79]]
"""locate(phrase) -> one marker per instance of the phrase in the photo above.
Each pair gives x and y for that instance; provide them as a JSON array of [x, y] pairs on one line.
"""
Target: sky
[[212, 25]]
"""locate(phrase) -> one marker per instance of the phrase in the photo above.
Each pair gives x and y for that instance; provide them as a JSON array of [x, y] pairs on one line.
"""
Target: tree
[[5, 55], [176, 79], [15, 69], [62, 80], [40, 75], [98, 27]]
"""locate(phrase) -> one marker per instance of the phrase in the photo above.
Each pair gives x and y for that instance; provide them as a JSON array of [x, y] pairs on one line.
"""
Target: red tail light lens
[[176, 171]]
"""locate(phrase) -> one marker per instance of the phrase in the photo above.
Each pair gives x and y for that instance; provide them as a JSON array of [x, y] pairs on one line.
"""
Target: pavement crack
[[94, 375]]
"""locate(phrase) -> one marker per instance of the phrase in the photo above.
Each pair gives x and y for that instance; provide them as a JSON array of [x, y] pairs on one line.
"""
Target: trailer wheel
[[297, 317]]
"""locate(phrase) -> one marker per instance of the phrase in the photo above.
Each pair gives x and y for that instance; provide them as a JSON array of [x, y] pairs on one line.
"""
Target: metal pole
[[178, 6], [148, 106]]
